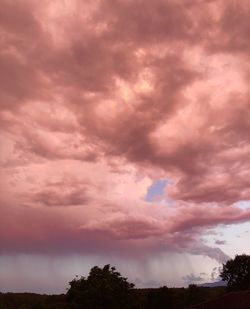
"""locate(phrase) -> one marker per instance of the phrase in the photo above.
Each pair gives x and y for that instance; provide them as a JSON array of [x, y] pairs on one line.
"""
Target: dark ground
[[178, 298], [233, 300]]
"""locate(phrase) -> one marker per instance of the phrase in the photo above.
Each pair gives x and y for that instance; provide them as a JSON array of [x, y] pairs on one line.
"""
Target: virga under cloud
[[99, 101]]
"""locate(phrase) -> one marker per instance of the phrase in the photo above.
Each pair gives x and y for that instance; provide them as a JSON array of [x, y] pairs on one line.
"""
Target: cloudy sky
[[125, 139]]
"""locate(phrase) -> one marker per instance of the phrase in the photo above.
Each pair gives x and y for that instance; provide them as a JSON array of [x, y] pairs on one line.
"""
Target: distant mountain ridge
[[214, 284]]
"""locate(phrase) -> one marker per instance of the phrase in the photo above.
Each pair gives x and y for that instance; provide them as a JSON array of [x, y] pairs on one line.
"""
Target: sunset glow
[[125, 139]]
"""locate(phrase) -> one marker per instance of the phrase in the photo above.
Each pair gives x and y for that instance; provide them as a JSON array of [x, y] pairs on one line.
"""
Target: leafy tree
[[237, 273], [103, 288]]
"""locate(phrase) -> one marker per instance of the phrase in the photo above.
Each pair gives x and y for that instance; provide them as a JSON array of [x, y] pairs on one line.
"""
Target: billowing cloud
[[100, 100], [192, 279]]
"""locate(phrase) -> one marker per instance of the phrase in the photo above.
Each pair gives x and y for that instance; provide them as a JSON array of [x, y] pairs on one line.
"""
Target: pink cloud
[[98, 101]]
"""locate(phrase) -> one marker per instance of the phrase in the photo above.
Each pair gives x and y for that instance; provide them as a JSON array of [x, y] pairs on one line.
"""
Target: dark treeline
[[144, 299]]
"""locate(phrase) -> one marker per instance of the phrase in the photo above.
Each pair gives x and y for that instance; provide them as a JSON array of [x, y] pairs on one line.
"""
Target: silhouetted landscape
[[105, 288], [180, 298]]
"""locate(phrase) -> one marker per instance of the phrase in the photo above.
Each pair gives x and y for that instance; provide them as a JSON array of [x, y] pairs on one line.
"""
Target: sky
[[125, 139]]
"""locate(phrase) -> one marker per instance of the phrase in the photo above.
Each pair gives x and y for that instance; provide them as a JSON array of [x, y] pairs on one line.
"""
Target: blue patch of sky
[[157, 190]]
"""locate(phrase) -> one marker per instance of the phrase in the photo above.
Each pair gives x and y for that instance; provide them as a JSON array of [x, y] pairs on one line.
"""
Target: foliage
[[103, 288], [237, 273]]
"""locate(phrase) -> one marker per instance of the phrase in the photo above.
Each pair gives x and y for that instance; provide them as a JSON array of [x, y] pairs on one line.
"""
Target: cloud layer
[[98, 101]]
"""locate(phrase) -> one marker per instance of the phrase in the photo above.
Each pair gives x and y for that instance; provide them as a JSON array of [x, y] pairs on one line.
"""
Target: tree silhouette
[[103, 288], [237, 273]]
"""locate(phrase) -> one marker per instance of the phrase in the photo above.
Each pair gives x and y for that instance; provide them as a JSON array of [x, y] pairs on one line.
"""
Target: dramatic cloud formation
[[102, 101]]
